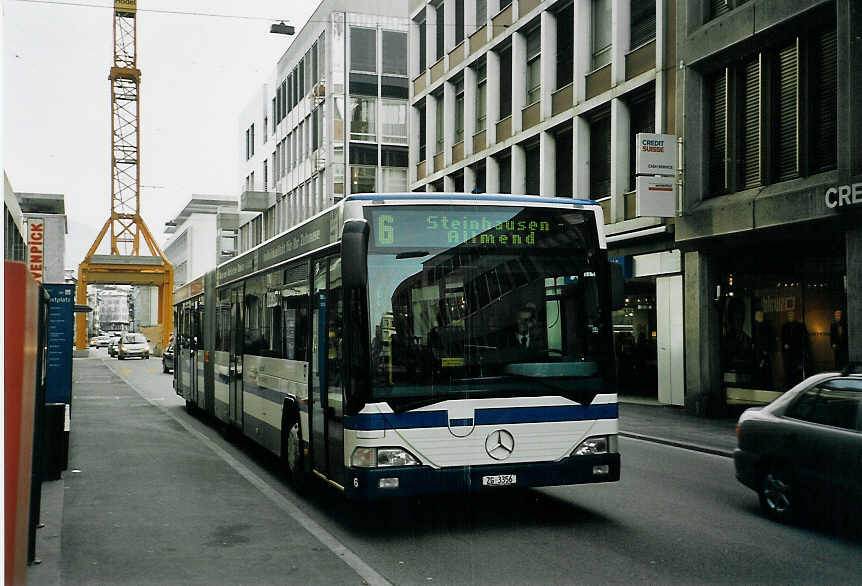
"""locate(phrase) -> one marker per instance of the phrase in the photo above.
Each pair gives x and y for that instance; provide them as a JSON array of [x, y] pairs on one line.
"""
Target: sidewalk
[[145, 501], [673, 426]]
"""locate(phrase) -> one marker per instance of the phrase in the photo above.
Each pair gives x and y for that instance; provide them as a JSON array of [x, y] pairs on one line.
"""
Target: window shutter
[[718, 7], [642, 23], [718, 133], [825, 94], [751, 124], [788, 113]]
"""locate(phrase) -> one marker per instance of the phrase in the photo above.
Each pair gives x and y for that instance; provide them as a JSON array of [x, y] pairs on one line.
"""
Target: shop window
[[480, 171], [532, 171], [601, 33], [642, 23], [505, 164], [565, 46]]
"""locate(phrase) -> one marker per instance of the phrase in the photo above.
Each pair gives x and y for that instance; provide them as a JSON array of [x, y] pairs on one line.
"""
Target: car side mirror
[[148, 340]]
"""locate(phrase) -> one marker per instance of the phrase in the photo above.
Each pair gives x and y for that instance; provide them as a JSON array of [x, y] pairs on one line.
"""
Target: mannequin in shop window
[[763, 339], [794, 349], [838, 339]]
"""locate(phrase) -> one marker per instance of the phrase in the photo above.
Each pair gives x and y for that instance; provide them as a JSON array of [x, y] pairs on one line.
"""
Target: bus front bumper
[[374, 483]]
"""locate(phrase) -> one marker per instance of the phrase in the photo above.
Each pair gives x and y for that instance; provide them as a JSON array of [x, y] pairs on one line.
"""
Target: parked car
[[803, 451], [112, 344], [133, 345], [168, 358]]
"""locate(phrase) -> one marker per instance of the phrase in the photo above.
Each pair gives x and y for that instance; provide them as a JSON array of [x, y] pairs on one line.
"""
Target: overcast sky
[[197, 73]]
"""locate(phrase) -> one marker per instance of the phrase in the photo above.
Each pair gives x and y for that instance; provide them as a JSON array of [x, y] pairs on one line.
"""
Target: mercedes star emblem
[[500, 444]]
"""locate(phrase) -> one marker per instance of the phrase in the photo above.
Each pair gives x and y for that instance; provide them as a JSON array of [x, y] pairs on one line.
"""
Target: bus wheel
[[293, 458]]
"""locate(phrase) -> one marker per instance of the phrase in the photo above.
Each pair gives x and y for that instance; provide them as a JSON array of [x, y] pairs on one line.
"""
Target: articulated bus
[[401, 344]]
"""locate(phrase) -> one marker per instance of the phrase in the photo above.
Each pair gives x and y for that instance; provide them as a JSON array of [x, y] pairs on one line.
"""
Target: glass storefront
[[783, 318], [635, 339]]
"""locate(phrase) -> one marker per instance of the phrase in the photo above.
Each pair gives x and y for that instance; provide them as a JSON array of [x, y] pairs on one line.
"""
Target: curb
[[679, 444]]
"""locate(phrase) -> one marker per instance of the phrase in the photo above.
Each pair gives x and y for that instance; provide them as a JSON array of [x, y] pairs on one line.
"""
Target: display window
[[635, 336], [780, 323]]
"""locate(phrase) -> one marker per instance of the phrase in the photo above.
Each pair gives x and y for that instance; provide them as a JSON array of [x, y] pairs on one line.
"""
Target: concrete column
[[702, 367], [430, 133], [469, 109], [519, 75], [582, 49], [519, 169], [547, 164], [581, 158], [854, 285], [849, 89], [620, 38], [413, 53], [492, 175], [492, 96], [469, 179], [549, 61], [448, 121], [448, 184], [660, 40], [620, 136]]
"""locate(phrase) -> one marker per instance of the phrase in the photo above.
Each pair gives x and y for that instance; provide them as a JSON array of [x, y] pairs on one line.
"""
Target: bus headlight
[[382, 458], [602, 444]]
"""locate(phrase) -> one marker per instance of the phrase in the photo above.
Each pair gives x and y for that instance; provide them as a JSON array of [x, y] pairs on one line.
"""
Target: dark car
[[112, 345], [168, 358], [803, 451]]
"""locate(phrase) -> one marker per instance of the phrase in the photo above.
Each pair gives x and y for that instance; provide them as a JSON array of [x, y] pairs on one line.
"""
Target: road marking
[[366, 572]]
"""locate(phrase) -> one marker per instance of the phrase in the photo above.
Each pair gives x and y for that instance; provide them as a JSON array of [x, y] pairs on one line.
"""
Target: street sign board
[[58, 371], [655, 154], [655, 197]]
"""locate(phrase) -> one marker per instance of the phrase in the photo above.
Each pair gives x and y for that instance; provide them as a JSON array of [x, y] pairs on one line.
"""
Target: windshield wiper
[[412, 254]]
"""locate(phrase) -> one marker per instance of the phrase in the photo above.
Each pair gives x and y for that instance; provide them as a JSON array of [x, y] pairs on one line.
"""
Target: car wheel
[[119, 357], [164, 368], [778, 492], [293, 458], [146, 356]]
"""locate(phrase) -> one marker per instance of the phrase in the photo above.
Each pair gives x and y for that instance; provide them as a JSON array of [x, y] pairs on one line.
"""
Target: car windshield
[[510, 308], [135, 339]]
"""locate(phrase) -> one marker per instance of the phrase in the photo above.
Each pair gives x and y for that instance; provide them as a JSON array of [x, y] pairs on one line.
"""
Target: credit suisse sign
[[843, 195], [655, 154]]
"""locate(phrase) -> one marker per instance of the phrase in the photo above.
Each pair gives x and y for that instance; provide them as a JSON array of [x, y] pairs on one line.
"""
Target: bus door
[[327, 427], [198, 354], [184, 371], [236, 355]]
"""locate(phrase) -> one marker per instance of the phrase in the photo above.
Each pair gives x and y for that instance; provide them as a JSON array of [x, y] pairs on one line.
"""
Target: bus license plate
[[499, 480]]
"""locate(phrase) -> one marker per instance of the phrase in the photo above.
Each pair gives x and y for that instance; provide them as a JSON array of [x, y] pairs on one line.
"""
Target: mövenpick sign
[[36, 248]]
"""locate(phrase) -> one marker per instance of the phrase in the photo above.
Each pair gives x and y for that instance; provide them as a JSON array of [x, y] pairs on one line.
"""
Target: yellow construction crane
[[125, 264]]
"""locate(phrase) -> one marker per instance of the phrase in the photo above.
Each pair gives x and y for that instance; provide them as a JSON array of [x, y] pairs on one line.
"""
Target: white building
[[341, 87], [202, 235]]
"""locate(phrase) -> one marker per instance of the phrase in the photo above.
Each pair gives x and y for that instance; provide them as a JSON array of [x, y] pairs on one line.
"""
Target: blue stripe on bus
[[469, 197], [495, 416], [268, 394]]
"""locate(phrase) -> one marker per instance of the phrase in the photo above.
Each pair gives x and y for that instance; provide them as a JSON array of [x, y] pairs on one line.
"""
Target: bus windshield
[[485, 302]]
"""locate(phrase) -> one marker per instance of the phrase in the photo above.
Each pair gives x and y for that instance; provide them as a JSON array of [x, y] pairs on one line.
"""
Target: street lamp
[[282, 29]]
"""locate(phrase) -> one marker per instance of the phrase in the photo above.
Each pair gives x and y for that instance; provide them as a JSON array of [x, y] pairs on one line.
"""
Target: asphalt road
[[677, 516]]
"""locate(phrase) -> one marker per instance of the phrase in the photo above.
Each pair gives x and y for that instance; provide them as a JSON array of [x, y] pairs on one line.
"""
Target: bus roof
[[490, 197]]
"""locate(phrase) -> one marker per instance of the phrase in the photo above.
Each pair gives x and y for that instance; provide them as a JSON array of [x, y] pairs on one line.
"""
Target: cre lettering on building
[[36, 248], [843, 195]]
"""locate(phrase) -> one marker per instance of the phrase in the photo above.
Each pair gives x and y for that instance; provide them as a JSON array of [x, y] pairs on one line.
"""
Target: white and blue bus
[[416, 343]]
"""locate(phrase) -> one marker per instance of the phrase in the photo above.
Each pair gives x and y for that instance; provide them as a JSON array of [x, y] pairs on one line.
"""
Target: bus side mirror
[[618, 296], [354, 254]]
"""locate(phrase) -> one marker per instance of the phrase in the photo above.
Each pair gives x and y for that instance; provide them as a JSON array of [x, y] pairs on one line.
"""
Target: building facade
[[546, 98], [770, 109], [45, 229], [331, 121], [202, 235]]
